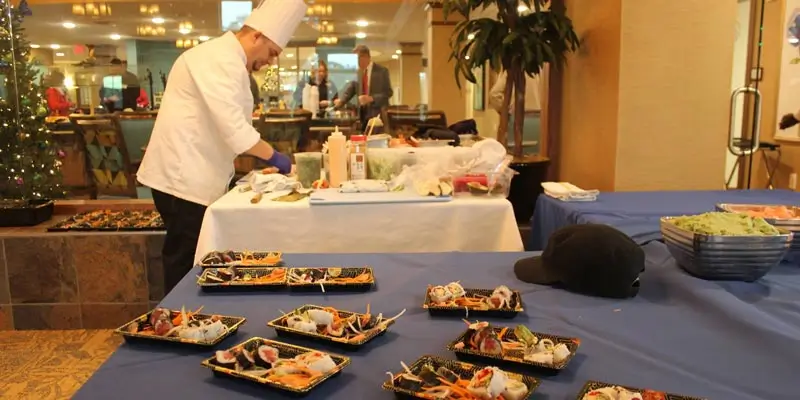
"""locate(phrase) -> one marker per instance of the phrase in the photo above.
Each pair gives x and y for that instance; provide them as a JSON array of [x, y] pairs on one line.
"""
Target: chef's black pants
[[183, 220]]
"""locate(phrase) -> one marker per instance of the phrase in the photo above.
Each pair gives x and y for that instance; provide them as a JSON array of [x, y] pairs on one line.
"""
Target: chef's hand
[[788, 121], [282, 162], [324, 103], [364, 99]]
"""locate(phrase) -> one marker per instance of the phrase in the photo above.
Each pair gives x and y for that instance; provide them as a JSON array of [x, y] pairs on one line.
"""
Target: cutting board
[[330, 197]]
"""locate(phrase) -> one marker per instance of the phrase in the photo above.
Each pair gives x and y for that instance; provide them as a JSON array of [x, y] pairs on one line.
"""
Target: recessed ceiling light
[[68, 25], [289, 55], [398, 52], [115, 36], [35, 46], [466, 57], [281, 69], [55, 46], [158, 20], [395, 56], [362, 23], [59, 54], [204, 38], [471, 36], [294, 66], [184, 31], [361, 35]]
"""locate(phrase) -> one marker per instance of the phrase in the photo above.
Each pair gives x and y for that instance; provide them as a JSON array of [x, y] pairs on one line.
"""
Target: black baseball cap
[[591, 259]]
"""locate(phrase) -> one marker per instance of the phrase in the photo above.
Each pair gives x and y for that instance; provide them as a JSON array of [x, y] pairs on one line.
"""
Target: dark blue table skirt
[[724, 341], [637, 213]]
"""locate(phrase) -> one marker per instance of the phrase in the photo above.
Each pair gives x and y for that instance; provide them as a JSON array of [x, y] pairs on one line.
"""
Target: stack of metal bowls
[[791, 225], [734, 258]]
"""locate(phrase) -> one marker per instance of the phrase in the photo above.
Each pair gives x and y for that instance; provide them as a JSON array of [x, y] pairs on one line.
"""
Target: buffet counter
[[73, 280], [715, 340]]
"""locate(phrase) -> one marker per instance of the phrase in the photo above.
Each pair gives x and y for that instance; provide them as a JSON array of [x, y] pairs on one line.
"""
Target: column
[[644, 102], [443, 92], [410, 68]]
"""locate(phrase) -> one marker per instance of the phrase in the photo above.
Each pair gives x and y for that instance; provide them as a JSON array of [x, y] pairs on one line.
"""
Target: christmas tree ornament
[[20, 181]]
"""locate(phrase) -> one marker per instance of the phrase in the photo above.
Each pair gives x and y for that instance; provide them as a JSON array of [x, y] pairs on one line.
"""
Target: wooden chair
[[108, 164]]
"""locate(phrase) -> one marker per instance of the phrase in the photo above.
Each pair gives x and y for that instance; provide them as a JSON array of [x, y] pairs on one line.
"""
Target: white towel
[[566, 191]]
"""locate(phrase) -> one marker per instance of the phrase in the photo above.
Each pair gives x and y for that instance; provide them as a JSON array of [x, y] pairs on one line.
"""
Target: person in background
[[56, 94], [120, 88], [205, 121], [142, 101], [327, 89], [374, 88]]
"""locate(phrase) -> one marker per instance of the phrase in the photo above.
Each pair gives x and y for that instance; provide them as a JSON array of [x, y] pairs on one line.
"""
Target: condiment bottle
[[358, 157], [337, 158]]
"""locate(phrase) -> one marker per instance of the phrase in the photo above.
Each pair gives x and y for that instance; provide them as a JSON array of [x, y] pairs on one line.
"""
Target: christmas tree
[[29, 159]]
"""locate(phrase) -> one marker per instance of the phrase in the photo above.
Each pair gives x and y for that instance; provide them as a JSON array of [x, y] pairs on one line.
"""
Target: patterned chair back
[[107, 160]]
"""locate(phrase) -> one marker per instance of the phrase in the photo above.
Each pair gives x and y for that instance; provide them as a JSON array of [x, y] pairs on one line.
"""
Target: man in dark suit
[[373, 87]]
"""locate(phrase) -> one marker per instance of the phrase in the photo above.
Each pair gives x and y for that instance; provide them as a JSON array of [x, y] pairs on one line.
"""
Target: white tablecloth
[[464, 224]]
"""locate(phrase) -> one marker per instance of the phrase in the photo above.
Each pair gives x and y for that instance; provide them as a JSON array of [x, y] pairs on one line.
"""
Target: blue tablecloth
[[637, 213], [724, 341]]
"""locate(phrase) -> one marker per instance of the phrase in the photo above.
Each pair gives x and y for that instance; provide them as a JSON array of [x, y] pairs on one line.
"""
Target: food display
[[227, 258], [435, 378], [434, 187], [242, 277], [453, 299], [181, 326], [332, 325], [278, 365], [766, 212], [109, 220], [331, 278], [518, 345], [594, 390], [725, 224]]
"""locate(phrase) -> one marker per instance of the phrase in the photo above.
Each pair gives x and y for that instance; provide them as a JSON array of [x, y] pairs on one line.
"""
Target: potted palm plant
[[523, 37]]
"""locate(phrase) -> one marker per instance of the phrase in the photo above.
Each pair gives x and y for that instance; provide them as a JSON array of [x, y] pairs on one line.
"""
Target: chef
[[205, 121]]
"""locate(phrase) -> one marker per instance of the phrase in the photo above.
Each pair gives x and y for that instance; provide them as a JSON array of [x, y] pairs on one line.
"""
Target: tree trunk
[[502, 130], [519, 110]]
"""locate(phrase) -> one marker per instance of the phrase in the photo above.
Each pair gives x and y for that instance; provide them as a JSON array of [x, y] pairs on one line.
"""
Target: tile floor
[[51, 365]]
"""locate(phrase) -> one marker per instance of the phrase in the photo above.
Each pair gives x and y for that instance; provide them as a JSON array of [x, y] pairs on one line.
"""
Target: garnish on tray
[[112, 220], [182, 324], [454, 295], [488, 383], [522, 345], [245, 258], [233, 275], [327, 321], [332, 275], [297, 372], [621, 393]]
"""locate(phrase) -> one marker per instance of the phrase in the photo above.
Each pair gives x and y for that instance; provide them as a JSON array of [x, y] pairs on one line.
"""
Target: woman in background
[[56, 94], [327, 89]]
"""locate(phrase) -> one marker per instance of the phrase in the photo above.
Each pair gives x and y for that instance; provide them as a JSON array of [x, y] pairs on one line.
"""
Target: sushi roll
[[625, 394], [320, 317], [560, 353], [456, 290], [606, 393], [488, 383], [440, 294], [542, 357], [488, 342], [160, 314], [448, 375], [266, 356], [317, 361], [496, 301], [515, 390], [545, 345], [306, 326], [244, 360], [293, 320], [225, 358], [335, 329]]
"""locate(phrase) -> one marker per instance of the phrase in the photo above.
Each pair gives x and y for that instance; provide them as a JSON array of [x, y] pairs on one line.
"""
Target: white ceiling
[[389, 23]]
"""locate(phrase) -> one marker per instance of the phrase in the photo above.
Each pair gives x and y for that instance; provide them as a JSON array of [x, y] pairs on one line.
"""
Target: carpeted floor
[[45, 365]]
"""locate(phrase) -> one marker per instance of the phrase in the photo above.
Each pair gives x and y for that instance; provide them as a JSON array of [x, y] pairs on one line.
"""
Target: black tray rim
[[203, 283], [345, 361], [541, 335], [275, 324], [588, 386], [231, 330], [388, 385]]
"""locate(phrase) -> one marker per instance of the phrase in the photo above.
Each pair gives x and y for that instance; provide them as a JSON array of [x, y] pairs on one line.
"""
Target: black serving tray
[[594, 385], [285, 351], [333, 286], [240, 285], [469, 312], [515, 357], [279, 324], [25, 212], [233, 324], [462, 369], [239, 256], [63, 225]]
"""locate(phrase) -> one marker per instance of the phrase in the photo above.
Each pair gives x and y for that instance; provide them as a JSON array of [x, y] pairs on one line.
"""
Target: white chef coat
[[204, 122]]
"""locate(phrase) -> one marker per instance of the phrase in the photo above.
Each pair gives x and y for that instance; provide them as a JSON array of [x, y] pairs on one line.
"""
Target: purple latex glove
[[282, 162]]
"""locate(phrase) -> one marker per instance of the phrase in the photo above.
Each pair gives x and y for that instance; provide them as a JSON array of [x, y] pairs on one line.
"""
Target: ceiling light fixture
[[362, 23], [204, 38], [319, 10], [361, 35], [68, 25], [289, 55], [327, 40], [115, 36], [471, 36], [185, 28], [35, 46], [398, 52], [55, 46], [158, 20], [59, 54], [395, 56]]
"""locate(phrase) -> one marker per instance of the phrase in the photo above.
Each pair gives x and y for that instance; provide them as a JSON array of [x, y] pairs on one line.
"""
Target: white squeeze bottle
[[313, 102], [337, 158]]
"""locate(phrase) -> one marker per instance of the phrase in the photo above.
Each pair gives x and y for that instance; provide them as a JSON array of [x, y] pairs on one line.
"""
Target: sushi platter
[[594, 390], [454, 300], [186, 327], [108, 220], [277, 365], [484, 343], [242, 278], [329, 325], [330, 279], [433, 377], [227, 258]]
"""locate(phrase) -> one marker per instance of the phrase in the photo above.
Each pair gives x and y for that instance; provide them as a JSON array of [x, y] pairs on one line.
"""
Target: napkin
[[266, 183], [566, 191]]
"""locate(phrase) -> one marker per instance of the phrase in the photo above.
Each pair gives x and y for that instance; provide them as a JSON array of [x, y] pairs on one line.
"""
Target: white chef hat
[[277, 19]]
